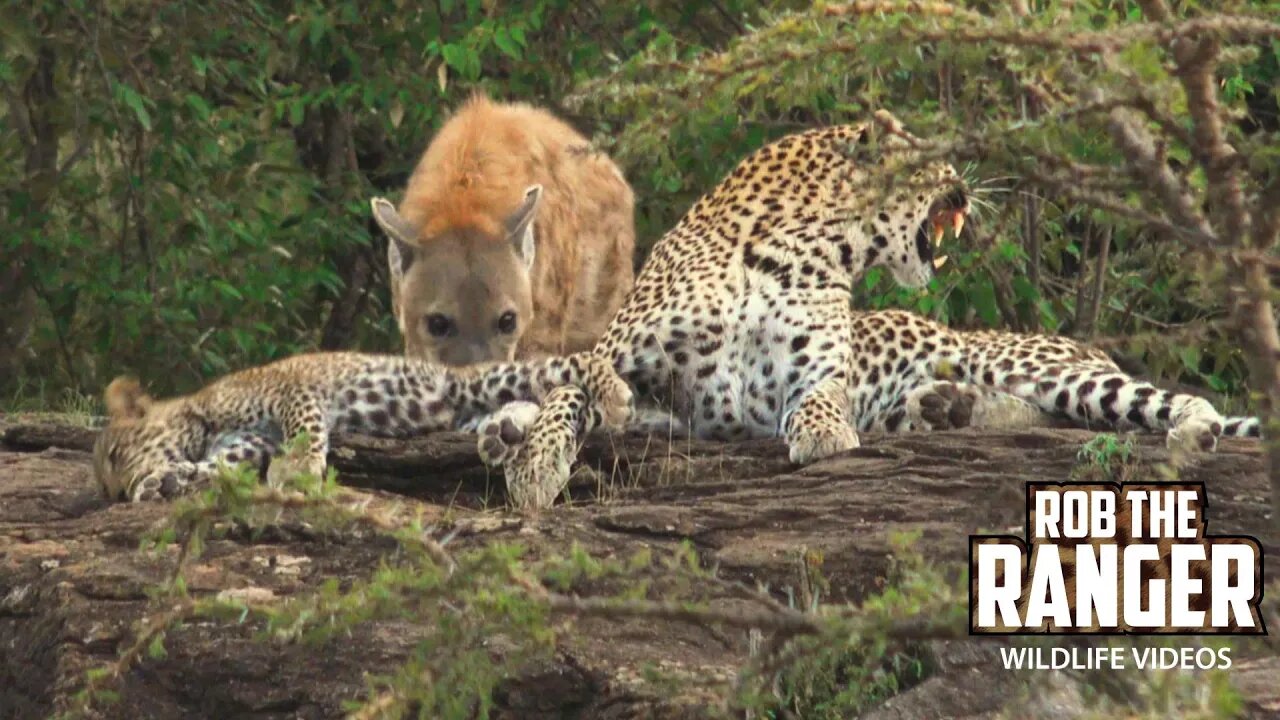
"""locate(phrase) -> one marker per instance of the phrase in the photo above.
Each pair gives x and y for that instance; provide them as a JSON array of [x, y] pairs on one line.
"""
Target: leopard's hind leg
[[253, 449], [906, 375], [945, 405], [949, 405]]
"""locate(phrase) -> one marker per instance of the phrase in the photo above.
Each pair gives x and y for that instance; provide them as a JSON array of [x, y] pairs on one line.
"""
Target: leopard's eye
[[507, 322], [439, 325]]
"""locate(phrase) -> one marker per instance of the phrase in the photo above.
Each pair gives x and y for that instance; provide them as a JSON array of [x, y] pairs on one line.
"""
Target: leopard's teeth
[[939, 261]]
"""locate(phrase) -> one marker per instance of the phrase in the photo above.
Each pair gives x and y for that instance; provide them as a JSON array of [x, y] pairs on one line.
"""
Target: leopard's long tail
[[1074, 381]]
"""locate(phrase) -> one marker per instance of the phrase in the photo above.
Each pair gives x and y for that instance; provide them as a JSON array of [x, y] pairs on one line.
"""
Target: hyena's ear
[[125, 399], [400, 239], [401, 233], [520, 224]]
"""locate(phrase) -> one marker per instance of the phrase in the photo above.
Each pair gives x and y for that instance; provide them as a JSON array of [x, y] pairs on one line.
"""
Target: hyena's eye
[[439, 325], [507, 322]]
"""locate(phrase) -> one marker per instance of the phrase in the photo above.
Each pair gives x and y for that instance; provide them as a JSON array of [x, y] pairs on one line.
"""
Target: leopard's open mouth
[[948, 213]]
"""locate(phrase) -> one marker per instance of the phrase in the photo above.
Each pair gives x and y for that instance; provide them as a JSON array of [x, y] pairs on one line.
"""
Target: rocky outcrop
[[72, 581]]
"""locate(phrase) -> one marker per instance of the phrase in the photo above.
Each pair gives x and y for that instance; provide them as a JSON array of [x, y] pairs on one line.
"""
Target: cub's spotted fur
[[739, 325], [152, 449]]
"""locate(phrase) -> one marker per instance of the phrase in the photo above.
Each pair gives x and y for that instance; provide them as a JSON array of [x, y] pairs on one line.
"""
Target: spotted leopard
[[739, 325], [155, 449]]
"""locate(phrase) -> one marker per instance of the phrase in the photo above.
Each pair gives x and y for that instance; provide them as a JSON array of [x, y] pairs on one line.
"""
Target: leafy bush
[[186, 181]]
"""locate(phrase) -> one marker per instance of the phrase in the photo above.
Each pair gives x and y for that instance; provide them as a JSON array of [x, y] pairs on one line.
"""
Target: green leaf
[[455, 56], [318, 25], [227, 289], [983, 297], [1023, 288], [156, 650], [200, 107], [506, 44], [135, 103], [1190, 357]]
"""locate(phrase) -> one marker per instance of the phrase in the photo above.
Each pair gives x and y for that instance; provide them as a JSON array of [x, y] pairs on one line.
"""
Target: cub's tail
[[1242, 427]]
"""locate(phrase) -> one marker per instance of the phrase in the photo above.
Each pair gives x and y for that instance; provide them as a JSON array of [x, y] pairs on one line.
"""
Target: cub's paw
[[813, 443], [285, 468], [941, 406], [502, 433], [174, 481], [1196, 434], [611, 396]]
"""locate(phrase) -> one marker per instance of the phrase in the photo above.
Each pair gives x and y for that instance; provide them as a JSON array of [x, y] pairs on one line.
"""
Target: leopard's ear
[[125, 399]]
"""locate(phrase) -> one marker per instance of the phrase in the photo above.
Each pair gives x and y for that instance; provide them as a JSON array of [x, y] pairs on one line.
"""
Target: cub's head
[[143, 449], [462, 295]]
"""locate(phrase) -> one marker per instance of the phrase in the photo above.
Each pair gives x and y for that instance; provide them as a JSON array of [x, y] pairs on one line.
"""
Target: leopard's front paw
[[810, 444], [611, 396], [502, 433], [1196, 434], [536, 477]]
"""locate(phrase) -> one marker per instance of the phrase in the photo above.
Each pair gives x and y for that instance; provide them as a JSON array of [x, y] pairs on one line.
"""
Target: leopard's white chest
[[735, 385]]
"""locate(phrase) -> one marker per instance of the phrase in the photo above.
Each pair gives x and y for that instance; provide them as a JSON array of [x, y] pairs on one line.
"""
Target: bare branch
[[1139, 148]]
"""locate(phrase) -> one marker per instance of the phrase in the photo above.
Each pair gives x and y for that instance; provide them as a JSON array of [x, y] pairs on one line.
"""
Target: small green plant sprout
[[1106, 458], [864, 653]]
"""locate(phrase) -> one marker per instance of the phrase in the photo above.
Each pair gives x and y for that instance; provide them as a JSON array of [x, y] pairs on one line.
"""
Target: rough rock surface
[[72, 580]]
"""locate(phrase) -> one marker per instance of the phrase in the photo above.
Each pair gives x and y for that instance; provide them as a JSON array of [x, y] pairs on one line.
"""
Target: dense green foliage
[[186, 182]]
